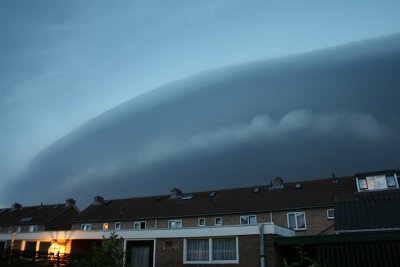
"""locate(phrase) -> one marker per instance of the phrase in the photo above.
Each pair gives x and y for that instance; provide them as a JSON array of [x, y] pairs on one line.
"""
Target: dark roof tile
[[239, 200]]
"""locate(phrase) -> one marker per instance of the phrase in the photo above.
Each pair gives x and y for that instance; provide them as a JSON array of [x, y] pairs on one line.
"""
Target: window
[[105, 226], [218, 221], [362, 184], [139, 225], [175, 224], [201, 222], [18, 229], [378, 182], [391, 181], [10, 229], [117, 226], [250, 219], [296, 220], [33, 228], [86, 227], [224, 249], [197, 250], [211, 250], [330, 214]]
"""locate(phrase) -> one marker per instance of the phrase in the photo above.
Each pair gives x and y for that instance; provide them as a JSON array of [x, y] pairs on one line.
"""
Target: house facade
[[230, 227], [250, 226], [22, 228]]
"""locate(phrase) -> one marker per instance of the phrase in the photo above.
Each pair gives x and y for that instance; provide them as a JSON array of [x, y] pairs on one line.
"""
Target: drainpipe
[[262, 249]]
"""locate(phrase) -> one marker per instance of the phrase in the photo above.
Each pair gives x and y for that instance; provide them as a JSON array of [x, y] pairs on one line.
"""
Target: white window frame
[[106, 226], [210, 252], [247, 219], [10, 229], [330, 217], [33, 228], [19, 229], [201, 222], [215, 221], [370, 181], [117, 226], [175, 221], [139, 223], [296, 213], [86, 227]]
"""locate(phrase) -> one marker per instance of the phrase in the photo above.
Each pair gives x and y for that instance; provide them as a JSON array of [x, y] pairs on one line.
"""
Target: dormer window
[[377, 182], [391, 181]]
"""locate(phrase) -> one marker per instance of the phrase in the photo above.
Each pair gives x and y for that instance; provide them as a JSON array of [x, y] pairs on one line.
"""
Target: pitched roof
[[300, 195], [42, 214], [373, 211]]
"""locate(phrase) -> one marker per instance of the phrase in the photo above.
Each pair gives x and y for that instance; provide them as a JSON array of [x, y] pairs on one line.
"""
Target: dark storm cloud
[[299, 117]]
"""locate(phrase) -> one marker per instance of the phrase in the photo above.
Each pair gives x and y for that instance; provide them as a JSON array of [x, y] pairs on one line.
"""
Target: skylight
[[256, 190], [212, 194], [187, 197], [25, 219]]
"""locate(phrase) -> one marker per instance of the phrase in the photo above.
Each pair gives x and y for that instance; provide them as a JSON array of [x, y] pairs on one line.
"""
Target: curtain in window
[[140, 256], [223, 249], [197, 250]]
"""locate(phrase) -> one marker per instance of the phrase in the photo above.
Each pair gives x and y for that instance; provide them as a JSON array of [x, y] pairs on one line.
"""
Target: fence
[[32, 258]]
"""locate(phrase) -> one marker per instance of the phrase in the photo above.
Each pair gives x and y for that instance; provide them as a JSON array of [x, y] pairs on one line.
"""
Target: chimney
[[277, 183], [16, 206], [69, 202], [98, 200], [175, 193]]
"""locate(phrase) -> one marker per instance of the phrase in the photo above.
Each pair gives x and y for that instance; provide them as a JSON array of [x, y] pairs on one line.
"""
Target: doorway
[[140, 253]]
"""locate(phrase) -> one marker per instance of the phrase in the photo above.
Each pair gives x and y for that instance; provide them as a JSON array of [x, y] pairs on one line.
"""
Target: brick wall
[[316, 221], [169, 253]]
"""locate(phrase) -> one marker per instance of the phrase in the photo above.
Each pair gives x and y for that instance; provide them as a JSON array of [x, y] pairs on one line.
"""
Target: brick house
[[249, 226], [23, 228], [229, 227], [367, 226]]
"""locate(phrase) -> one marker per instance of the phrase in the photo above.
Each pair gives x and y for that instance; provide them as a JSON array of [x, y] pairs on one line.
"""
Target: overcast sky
[[63, 63]]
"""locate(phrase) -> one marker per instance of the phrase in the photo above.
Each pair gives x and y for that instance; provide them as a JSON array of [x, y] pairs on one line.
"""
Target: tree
[[109, 254]]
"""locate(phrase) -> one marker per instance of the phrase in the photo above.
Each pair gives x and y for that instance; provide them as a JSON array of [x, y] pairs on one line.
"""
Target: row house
[[230, 226], [250, 226], [21, 227]]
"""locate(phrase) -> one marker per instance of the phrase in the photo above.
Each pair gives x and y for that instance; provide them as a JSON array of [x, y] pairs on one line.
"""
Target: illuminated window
[[105, 226], [175, 224], [378, 182], [201, 222], [139, 225], [249, 219], [296, 220]]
